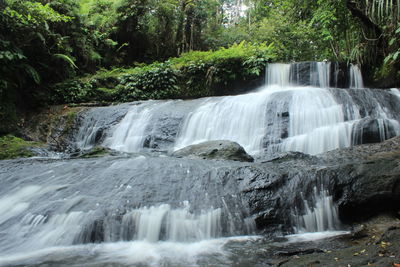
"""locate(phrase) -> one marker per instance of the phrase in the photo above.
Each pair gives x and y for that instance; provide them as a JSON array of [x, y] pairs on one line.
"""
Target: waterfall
[[297, 110], [356, 80], [236, 118], [316, 74], [129, 135], [395, 91], [317, 123], [150, 224], [53, 210], [164, 223], [159, 210], [278, 74], [321, 76], [321, 215]]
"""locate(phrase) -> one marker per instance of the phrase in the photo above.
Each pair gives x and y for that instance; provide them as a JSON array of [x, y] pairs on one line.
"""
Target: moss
[[96, 152], [13, 147]]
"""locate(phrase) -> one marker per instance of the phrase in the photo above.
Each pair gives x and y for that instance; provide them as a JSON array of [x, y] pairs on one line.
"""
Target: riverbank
[[375, 242]]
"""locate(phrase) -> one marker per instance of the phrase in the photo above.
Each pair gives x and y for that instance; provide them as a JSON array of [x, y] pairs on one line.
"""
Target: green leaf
[[396, 55], [32, 72], [67, 59]]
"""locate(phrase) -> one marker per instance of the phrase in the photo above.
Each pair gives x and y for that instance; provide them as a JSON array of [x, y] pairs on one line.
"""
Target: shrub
[[193, 74]]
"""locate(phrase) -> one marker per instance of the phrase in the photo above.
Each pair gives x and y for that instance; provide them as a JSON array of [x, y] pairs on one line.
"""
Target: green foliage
[[14, 147], [32, 13], [155, 81], [194, 74], [71, 92], [48, 44], [67, 59]]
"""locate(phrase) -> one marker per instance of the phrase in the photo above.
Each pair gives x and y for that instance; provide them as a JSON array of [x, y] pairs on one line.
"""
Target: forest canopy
[[48, 42]]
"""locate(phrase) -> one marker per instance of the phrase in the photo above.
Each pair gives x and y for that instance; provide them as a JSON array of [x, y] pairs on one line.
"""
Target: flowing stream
[[297, 110], [145, 208]]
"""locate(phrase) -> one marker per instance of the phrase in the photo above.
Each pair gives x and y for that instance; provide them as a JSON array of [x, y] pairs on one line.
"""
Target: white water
[[321, 76], [211, 252], [149, 236], [150, 224], [306, 237], [317, 123], [356, 80], [14, 204], [281, 116], [147, 224], [321, 215], [395, 91], [129, 135], [278, 74], [236, 118]]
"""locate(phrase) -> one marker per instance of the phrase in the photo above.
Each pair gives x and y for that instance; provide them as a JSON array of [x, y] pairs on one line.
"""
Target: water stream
[[297, 110], [148, 209]]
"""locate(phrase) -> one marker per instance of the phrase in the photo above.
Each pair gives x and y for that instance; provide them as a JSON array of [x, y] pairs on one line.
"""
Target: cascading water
[[163, 223], [158, 210], [215, 120], [126, 211], [130, 133], [356, 80], [278, 74], [321, 216], [297, 110]]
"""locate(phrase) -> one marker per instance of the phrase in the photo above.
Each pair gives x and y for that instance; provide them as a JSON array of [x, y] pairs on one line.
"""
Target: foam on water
[[307, 237], [135, 253]]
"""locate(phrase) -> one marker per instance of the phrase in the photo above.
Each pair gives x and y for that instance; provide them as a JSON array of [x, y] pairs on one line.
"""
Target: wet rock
[[373, 131], [363, 181], [163, 133], [96, 152], [299, 252], [359, 231], [221, 149], [55, 126], [379, 247]]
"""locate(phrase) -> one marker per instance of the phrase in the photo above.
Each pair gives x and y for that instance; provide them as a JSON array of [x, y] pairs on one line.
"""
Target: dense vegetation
[[50, 50], [193, 74]]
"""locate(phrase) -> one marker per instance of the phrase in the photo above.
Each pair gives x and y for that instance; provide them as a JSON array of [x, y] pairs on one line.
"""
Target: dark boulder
[[363, 181]]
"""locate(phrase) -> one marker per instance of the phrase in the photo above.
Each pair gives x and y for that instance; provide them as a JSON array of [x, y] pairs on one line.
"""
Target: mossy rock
[[96, 152], [13, 147]]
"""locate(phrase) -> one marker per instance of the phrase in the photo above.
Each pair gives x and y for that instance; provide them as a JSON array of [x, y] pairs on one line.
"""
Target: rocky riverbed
[[363, 182]]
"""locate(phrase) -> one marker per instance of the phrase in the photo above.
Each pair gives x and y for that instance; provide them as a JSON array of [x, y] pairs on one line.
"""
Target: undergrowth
[[193, 74]]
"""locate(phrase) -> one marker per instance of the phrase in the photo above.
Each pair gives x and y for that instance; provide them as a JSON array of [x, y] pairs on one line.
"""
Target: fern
[[381, 10], [67, 59], [32, 73]]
